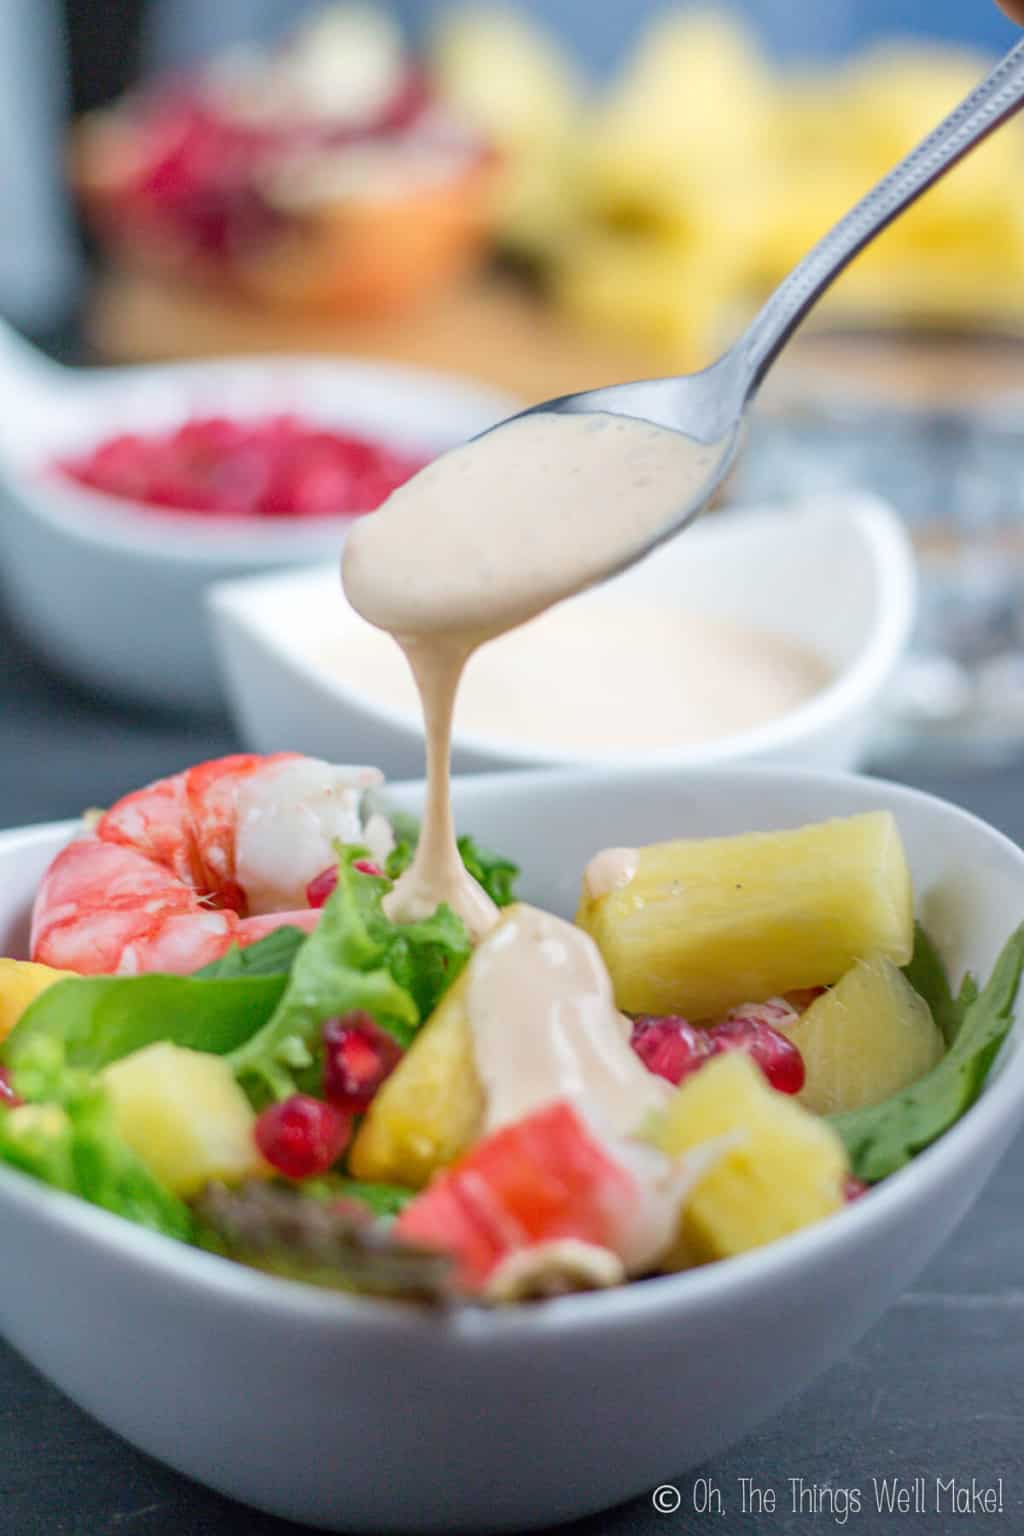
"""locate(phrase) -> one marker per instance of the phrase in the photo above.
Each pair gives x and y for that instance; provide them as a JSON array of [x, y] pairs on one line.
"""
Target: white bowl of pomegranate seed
[[764, 635], [338, 1409], [128, 491]]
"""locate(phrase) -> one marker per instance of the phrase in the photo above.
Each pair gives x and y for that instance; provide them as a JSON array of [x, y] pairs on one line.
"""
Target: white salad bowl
[[111, 592], [836, 574], [362, 1415]]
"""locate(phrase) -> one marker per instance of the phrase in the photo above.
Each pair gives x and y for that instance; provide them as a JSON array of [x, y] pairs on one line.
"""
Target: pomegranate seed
[[275, 467], [670, 1047], [7, 1093], [318, 890], [322, 887], [853, 1188], [302, 1136], [673, 1048], [779, 1059], [358, 1057]]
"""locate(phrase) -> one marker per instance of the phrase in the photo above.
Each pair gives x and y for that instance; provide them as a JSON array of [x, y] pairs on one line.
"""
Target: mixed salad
[[735, 1038]]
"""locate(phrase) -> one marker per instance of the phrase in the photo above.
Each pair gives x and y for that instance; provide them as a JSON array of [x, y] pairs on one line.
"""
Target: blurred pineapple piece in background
[[670, 189], [512, 79], [959, 254], [810, 175], [953, 257], [901, 89], [665, 292], [692, 106], [705, 175]]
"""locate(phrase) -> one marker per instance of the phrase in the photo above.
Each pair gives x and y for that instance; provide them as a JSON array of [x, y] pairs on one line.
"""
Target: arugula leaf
[[272, 956], [99, 1019], [967, 996], [354, 959], [495, 873], [883, 1137], [927, 975]]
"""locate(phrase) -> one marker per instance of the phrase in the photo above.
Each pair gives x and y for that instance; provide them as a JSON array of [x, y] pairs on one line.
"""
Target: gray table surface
[[936, 1389]]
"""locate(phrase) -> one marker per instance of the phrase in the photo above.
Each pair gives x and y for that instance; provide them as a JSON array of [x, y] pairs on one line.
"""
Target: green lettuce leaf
[[65, 1136], [883, 1137], [99, 1019], [40, 1145], [425, 957], [272, 956], [493, 871], [354, 959], [406, 831], [109, 1174]]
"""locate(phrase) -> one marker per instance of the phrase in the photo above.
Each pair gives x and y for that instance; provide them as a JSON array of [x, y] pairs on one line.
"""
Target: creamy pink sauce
[[600, 676], [539, 986]]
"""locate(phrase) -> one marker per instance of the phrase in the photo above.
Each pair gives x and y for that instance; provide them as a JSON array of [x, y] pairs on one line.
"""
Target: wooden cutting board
[[497, 332], [493, 331]]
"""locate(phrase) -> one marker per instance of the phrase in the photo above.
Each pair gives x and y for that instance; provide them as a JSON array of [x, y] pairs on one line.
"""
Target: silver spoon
[[710, 406]]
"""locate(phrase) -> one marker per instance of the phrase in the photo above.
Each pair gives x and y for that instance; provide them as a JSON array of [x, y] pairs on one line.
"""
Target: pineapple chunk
[[785, 1170], [865, 1040], [431, 1107], [704, 925], [21, 982], [184, 1115]]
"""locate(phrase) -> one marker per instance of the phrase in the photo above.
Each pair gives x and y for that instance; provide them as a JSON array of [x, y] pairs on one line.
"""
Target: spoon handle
[[997, 98]]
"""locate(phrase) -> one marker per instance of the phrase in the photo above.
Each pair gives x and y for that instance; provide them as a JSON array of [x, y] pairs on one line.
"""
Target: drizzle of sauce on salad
[[544, 1025], [610, 870], [541, 1008], [484, 539]]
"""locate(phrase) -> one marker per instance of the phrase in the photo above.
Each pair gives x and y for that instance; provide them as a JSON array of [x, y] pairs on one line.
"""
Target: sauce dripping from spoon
[[485, 538]]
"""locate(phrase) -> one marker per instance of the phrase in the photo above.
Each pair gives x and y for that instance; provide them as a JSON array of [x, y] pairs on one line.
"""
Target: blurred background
[[659, 165], [551, 194]]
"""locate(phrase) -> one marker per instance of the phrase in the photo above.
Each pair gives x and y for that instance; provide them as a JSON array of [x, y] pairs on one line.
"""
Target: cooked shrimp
[[173, 875]]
